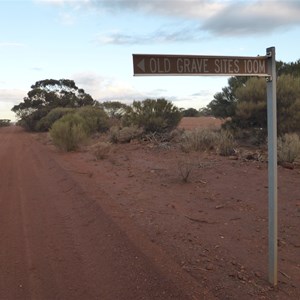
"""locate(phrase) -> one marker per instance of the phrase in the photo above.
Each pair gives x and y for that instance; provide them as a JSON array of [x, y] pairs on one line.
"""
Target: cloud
[[66, 18], [199, 20], [253, 17], [11, 44], [110, 89], [37, 69], [9, 98], [13, 96], [69, 4], [181, 8], [203, 93], [181, 34], [60, 2], [206, 17], [68, 9], [105, 88]]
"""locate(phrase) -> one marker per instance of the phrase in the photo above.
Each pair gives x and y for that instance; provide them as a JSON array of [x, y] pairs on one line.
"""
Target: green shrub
[[69, 132], [251, 104], [199, 140], [96, 119], [225, 143], [288, 148], [29, 122], [55, 114], [153, 115]]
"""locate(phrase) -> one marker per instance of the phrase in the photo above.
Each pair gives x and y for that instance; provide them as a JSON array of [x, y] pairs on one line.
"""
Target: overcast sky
[[92, 42]]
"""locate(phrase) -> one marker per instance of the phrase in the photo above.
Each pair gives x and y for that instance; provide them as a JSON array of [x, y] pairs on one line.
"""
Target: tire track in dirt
[[58, 243]]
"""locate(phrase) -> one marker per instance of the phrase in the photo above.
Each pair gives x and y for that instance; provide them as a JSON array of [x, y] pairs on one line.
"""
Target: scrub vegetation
[[4, 122], [72, 117]]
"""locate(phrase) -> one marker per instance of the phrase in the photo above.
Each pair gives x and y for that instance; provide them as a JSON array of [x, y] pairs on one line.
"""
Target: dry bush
[[187, 164], [113, 134], [199, 140], [125, 134], [288, 148], [101, 150], [185, 168], [176, 135], [226, 143]]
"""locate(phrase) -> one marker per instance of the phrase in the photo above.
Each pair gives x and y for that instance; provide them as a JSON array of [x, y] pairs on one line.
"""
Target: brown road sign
[[156, 64]]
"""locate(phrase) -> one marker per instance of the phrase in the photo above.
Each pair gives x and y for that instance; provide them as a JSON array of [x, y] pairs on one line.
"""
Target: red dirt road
[[57, 242], [128, 227]]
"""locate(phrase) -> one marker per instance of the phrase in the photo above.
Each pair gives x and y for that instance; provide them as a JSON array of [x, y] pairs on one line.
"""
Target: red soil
[[128, 227]]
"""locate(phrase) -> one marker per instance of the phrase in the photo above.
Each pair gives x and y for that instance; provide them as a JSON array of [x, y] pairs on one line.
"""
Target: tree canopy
[[114, 109], [244, 100], [48, 94], [190, 112], [224, 103]]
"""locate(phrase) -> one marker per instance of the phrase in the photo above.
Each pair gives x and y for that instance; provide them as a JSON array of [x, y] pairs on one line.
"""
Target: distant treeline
[[4, 122]]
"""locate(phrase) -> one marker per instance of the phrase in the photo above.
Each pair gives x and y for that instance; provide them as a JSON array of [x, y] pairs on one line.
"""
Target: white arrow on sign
[[141, 65]]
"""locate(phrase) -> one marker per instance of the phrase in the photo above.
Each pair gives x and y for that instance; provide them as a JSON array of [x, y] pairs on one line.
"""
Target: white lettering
[[248, 66], [186, 65], [262, 66], [167, 65], [236, 66], [159, 66], [224, 70], [223, 65], [179, 65], [217, 66], [153, 66], [255, 66], [230, 67], [205, 70], [194, 66]]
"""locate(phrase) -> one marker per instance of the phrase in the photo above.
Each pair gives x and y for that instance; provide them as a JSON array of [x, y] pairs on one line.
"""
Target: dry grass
[[288, 148], [101, 150]]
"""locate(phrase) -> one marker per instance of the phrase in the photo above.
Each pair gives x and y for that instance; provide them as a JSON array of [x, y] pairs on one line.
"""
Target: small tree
[[224, 103], [46, 95], [251, 110], [153, 115]]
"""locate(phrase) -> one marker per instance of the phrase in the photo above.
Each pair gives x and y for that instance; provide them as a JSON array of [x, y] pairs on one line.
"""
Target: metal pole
[[272, 165]]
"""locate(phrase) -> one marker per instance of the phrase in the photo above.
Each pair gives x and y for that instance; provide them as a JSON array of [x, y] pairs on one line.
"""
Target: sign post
[[265, 66], [272, 165]]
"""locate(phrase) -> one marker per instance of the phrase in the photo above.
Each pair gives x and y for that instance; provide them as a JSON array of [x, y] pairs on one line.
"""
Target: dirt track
[[58, 243], [128, 227]]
